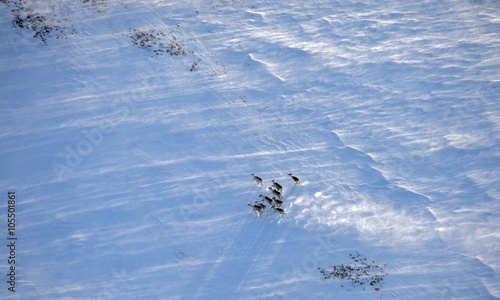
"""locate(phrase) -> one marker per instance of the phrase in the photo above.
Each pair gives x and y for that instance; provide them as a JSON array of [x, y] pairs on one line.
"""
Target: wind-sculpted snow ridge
[[130, 130]]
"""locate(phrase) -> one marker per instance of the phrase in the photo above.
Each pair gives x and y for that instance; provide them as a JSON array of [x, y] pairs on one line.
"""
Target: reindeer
[[257, 207], [278, 202], [266, 198], [257, 179], [262, 207], [276, 193], [277, 186], [280, 210], [295, 178]]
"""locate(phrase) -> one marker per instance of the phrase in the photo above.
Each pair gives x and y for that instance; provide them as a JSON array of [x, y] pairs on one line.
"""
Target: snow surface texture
[[130, 129]]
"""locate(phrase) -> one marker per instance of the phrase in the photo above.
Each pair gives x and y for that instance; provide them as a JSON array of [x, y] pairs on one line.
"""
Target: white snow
[[132, 173]]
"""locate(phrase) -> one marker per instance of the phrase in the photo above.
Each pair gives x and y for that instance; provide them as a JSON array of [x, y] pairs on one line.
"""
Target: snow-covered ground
[[129, 130]]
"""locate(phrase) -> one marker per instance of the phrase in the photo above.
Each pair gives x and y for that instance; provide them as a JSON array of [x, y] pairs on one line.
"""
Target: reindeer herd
[[274, 199]]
